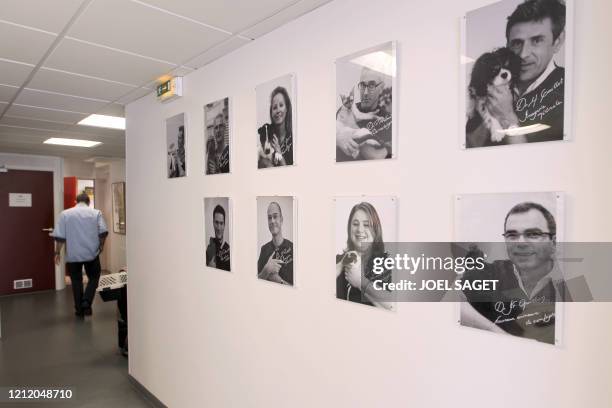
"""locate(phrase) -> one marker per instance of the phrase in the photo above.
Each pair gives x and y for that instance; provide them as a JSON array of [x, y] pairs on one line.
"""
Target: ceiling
[[62, 60]]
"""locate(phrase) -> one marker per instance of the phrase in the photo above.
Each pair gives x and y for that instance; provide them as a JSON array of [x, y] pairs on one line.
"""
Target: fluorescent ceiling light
[[71, 142], [105, 121]]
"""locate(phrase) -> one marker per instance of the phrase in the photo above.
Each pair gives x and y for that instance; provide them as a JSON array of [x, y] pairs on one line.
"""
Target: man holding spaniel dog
[[531, 110]]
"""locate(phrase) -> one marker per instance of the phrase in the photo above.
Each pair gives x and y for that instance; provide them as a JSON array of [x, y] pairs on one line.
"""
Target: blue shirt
[[81, 228]]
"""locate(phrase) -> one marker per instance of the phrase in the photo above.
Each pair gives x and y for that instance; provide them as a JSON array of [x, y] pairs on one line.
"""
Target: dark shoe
[[79, 313], [87, 311]]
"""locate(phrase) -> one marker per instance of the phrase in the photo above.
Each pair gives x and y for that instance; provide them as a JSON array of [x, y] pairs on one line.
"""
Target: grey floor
[[44, 344]]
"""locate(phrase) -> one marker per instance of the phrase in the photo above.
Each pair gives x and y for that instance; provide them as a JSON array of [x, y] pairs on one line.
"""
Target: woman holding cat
[[278, 134], [364, 243]]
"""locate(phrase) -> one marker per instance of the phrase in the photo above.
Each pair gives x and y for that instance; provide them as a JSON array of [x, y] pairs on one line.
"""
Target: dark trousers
[[92, 269]]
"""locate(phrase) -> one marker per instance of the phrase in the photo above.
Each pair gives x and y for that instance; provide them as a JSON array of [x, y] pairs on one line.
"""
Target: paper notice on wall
[[20, 200]]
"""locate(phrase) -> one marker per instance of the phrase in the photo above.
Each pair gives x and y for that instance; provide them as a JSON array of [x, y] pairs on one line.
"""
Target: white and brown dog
[[498, 68]]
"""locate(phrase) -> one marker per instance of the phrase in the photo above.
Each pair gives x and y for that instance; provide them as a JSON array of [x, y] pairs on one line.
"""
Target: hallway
[[44, 345]]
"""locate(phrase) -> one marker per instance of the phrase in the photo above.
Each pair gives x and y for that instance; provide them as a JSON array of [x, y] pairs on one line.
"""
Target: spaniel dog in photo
[[498, 68], [265, 141]]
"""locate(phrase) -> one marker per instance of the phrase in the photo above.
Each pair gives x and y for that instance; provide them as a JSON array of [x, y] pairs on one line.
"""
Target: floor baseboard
[[146, 393]]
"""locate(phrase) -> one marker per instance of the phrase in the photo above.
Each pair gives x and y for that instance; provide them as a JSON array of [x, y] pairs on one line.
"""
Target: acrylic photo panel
[[217, 137], [516, 73], [363, 225], [176, 145], [276, 122], [365, 104], [218, 232], [276, 232], [517, 235]]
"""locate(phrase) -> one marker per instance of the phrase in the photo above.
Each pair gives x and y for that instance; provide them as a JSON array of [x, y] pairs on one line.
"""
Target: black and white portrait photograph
[[175, 143], [218, 232], [364, 104], [516, 56], [217, 136], [276, 122], [517, 234], [363, 225], [275, 239]]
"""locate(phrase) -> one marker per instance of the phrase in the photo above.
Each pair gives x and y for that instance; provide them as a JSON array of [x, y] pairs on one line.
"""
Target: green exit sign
[[163, 88]]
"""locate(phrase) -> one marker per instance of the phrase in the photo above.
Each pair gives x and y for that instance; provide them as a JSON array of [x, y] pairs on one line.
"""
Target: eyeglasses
[[529, 235], [370, 85], [217, 127]]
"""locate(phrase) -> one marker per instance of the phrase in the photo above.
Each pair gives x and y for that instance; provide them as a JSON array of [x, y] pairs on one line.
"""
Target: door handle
[[47, 229]]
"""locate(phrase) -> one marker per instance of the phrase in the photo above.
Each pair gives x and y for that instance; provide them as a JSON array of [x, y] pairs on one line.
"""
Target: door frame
[[43, 163]]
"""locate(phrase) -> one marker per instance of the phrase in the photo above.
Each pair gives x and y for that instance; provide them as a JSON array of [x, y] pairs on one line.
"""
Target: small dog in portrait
[[498, 68], [351, 259], [348, 115], [265, 142]]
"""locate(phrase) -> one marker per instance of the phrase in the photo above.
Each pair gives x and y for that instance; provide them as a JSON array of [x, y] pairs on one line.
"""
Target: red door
[[26, 251]]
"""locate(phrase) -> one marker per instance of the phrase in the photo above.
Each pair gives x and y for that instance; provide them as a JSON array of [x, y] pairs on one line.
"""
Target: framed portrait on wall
[[365, 104], [363, 225], [176, 164], [218, 232], [517, 234], [276, 122], [119, 207], [217, 136], [276, 232], [516, 71]]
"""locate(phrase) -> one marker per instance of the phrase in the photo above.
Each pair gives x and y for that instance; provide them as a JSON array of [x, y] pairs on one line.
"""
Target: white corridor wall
[[202, 337]]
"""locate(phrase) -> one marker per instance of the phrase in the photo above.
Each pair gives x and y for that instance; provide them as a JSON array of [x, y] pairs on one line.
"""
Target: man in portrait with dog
[[217, 150], [528, 108], [529, 281], [363, 128], [275, 261]]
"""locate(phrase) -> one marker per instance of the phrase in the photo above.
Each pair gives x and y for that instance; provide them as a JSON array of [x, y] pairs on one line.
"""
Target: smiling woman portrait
[[275, 122], [276, 138], [364, 243]]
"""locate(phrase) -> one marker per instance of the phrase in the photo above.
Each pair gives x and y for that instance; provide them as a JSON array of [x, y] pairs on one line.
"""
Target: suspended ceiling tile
[[7, 92], [55, 101], [21, 44], [217, 52], [14, 74], [8, 121], [286, 15], [156, 34], [62, 151], [87, 59], [113, 109], [231, 15], [135, 94], [76, 85], [44, 114], [42, 14], [93, 130], [181, 71]]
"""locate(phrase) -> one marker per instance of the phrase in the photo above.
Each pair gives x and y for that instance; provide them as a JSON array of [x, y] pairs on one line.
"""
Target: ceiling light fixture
[[105, 121], [71, 142]]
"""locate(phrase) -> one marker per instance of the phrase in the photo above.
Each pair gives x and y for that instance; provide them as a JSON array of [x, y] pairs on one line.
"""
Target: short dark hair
[[527, 206], [538, 10], [280, 211], [83, 198], [219, 210]]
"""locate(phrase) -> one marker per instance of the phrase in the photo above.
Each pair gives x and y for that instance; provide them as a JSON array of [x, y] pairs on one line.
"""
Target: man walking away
[[83, 231]]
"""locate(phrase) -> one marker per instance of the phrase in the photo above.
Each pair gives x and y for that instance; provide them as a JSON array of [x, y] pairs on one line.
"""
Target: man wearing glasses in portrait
[[529, 281], [363, 128]]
